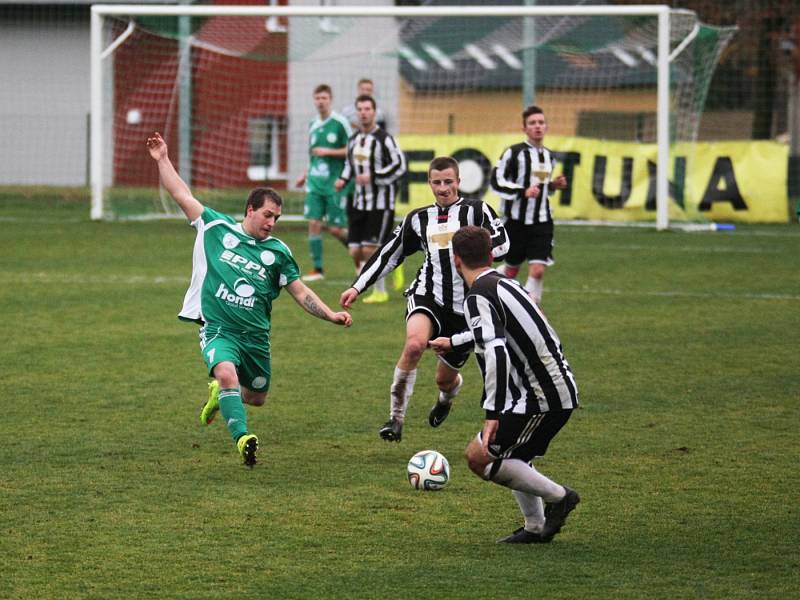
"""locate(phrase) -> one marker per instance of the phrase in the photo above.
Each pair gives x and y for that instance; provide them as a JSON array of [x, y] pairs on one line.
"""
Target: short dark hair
[[323, 88], [531, 110], [473, 246], [440, 163], [260, 195], [366, 98]]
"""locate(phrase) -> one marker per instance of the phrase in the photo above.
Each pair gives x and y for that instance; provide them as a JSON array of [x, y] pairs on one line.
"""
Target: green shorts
[[250, 352], [330, 207]]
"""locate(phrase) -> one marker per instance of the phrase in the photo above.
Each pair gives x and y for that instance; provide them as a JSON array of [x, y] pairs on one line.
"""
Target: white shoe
[[315, 275]]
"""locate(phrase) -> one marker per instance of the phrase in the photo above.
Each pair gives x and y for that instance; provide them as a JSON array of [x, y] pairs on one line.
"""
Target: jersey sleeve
[[404, 242], [497, 232], [347, 131], [347, 171], [289, 270], [209, 215], [503, 179], [395, 168], [489, 337]]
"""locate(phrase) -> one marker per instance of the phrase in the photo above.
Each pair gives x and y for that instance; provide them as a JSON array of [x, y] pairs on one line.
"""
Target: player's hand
[[363, 179], [339, 185], [300, 181], [348, 297], [532, 192], [488, 433], [156, 146], [559, 182], [319, 152], [441, 345], [342, 318]]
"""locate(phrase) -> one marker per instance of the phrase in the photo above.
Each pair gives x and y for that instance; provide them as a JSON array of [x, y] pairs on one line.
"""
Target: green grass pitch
[[685, 347]]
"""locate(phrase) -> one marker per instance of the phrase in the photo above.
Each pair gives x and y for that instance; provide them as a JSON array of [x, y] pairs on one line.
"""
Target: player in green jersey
[[327, 145], [238, 270]]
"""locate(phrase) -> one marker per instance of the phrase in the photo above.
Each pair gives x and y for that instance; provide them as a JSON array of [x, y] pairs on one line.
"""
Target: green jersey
[[323, 171], [235, 277]]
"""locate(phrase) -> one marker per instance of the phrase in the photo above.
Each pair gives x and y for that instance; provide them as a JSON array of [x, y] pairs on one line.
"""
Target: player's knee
[[536, 270], [225, 374], [414, 348], [256, 398], [476, 460]]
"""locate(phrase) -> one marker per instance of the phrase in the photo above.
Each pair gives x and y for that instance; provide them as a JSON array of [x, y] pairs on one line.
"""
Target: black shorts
[[527, 436], [369, 227], [445, 323], [533, 243]]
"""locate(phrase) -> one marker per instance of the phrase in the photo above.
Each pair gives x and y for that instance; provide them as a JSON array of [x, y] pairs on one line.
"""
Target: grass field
[[685, 349]]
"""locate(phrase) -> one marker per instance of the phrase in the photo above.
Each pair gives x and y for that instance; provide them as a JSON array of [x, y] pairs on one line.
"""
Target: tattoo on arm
[[312, 306]]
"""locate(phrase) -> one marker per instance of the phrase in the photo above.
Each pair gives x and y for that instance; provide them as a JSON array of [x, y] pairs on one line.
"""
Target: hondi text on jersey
[[243, 294]]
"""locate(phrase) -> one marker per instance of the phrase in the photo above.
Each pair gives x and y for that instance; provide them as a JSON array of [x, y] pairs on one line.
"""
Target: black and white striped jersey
[[519, 353], [519, 167], [378, 154], [430, 229]]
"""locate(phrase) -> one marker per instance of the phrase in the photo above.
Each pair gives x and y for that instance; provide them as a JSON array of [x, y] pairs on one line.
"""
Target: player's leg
[[314, 210], [222, 356], [516, 249], [449, 381], [519, 439], [378, 229], [336, 211], [534, 285], [379, 294], [448, 378], [234, 413], [419, 329], [539, 252]]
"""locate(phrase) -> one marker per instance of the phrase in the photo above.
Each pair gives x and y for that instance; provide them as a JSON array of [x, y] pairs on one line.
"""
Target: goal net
[[230, 88]]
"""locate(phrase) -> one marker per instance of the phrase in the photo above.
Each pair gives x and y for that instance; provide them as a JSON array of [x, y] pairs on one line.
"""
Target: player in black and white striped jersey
[[435, 297], [523, 180], [376, 164], [529, 389]]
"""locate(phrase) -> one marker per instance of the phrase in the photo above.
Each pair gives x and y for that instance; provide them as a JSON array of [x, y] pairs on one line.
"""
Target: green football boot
[[248, 446], [211, 407]]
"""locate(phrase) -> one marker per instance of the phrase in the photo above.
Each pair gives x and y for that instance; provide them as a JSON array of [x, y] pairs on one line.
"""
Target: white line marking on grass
[[342, 284], [80, 279], [677, 294], [690, 249]]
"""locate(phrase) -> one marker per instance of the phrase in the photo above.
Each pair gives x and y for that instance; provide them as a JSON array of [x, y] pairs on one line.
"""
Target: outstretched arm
[[311, 303], [170, 179]]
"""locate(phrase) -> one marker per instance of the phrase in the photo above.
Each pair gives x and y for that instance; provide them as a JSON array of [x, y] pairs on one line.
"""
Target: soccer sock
[[232, 409], [532, 508], [315, 246], [402, 388], [519, 475], [380, 285], [534, 287], [510, 271]]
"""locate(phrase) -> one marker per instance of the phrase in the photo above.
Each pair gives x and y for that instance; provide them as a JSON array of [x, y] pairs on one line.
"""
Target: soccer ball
[[428, 470]]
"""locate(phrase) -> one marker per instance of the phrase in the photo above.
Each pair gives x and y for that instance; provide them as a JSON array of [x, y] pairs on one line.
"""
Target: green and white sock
[[315, 247], [232, 409]]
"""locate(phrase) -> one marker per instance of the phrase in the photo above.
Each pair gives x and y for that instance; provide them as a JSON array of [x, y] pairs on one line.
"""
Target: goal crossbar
[[662, 12]]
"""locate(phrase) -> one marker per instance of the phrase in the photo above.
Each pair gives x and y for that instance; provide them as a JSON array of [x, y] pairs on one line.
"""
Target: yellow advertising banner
[[615, 181]]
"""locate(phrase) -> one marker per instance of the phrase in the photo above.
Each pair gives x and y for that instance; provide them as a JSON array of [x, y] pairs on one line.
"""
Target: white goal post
[[98, 165]]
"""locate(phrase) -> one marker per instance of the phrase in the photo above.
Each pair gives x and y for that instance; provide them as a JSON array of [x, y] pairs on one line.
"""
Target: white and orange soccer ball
[[428, 470]]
